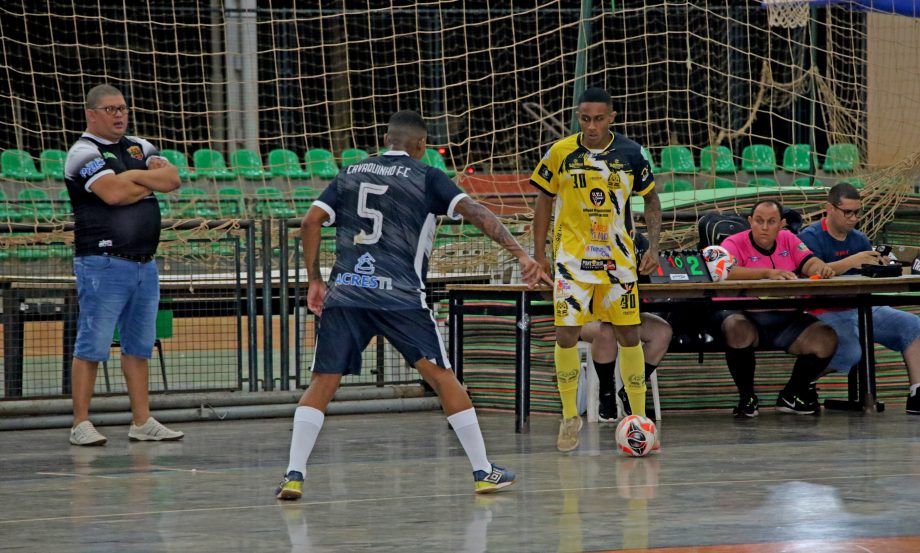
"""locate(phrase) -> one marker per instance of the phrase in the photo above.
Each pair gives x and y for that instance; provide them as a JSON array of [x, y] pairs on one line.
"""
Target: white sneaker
[[86, 434], [153, 431]]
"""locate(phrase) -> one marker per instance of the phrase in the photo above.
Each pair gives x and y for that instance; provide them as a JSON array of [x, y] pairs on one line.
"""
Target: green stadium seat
[[433, 159], [36, 204], [650, 158], [230, 204], [807, 182], [841, 158], [717, 160], [63, 208], [762, 182], [210, 164], [165, 207], [303, 197], [285, 163], [856, 182], [720, 183], [797, 158], [248, 164], [194, 203], [270, 203], [758, 158], [677, 185], [321, 163], [9, 212], [52, 163], [352, 156], [327, 239], [19, 165], [178, 159], [678, 160]]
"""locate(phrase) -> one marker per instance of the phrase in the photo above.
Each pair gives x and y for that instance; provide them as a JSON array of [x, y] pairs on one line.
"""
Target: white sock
[[914, 388], [307, 424], [466, 426]]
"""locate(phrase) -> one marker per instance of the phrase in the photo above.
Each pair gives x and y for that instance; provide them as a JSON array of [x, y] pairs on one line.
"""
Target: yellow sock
[[567, 363], [632, 369]]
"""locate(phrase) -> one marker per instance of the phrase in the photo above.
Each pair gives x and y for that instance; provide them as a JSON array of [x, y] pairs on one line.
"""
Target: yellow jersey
[[591, 188]]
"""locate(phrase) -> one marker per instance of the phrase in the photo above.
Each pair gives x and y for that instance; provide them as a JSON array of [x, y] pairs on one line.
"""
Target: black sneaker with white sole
[[913, 403], [748, 407], [797, 404], [607, 407]]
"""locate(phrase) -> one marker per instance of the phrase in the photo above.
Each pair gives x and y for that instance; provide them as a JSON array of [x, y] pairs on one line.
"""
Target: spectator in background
[[766, 251], [836, 241], [111, 179]]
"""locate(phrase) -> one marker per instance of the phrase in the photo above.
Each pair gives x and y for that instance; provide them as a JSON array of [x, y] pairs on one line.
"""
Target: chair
[[36, 202], [841, 158], [856, 182], [63, 209], [797, 158], [593, 386], [758, 158], [230, 204], [285, 163], [52, 163], [320, 163], [303, 197], [677, 159], [271, 203], [352, 156], [651, 160], [193, 203], [762, 182], [210, 164], [163, 203], [718, 183], [19, 165], [807, 182], [164, 329], [248, 164], [434, 159], [8, 212], [677, 185], [717, 160], [178, 159]]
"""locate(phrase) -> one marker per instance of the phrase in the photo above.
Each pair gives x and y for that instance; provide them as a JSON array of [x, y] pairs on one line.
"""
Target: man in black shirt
[[111, 178]]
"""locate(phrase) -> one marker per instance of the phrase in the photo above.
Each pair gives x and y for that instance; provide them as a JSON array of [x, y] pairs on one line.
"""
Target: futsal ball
[[636, 436], [718, 261]]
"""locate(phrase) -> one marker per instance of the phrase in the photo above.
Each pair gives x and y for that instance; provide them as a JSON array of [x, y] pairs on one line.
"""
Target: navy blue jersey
[[384, 210], [829, 249]]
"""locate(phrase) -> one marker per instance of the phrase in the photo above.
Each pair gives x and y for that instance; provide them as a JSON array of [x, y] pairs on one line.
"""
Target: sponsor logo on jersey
[[364, 281], [598, 265], [645, 173], [755, 258], [600, 233], [365, 265], [136, 152], [784, 253], [108, 155], [595, 250], [562, 309], [545, 173], [92, 167], [105, 243], [563, 286], [598, 197]]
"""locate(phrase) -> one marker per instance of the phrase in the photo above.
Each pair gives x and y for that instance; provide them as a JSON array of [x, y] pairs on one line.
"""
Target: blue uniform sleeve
[[441, 193], [811, 237]]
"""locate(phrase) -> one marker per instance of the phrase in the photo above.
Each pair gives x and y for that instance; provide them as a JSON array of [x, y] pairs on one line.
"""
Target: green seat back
[[321, 163], [285, 163], [841, 158], [248, 164], [650, 158], [165, 207], [352, 156], [856, 182], [178, 159], [230, 202], [52, 163], [194, 203], [270, 202], [717, 160], [721, 183], [807, 182], [303, 197], [677, 159], [797, 158], [762, 182], [433, 159], [758, 158], [9, 212], [35, 203], [19, 165], [677, 185], [210, 163]]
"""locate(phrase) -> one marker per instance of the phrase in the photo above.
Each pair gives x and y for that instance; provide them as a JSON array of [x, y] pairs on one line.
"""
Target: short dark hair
[[99, 92], [842, 190], [406, 120], [779, 206], [596, 94]]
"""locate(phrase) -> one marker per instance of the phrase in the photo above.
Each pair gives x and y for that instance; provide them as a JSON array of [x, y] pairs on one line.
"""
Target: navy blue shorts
[[343, 332], [776, 329]]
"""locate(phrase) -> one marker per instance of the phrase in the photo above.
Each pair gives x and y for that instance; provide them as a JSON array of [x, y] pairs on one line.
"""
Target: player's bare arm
[[162, 179], [816, 267], [483, 219], [119, 189], [652, 216], [541, 217], [310, 236]]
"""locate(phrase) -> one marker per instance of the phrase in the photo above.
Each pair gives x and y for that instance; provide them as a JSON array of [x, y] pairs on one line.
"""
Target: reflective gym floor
[[841, 482]]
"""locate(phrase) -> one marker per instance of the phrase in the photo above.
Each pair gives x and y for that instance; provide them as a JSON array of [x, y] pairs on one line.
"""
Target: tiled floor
[[842, 482]]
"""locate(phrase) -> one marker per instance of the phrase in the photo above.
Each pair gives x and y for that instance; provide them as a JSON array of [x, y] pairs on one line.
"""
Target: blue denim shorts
[[114, 291]]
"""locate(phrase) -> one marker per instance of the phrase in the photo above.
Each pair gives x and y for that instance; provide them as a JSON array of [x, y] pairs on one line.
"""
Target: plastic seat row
[[230, 203], [756, 158], [681, 185]]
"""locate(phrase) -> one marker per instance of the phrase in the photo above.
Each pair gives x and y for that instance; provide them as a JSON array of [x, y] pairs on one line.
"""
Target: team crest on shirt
[[363, 277], [598, 197], [546, 173], [365, 264], [136, 152], [613, 180], [784, 253], [645, 172], [562, 309], [802, 246]]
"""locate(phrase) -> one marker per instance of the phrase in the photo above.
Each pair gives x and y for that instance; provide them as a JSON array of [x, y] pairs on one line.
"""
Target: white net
[[787, 13]]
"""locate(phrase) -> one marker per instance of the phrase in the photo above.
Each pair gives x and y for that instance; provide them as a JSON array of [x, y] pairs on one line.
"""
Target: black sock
[[605, 378], [806, 370], [741, 364], [649, 369]]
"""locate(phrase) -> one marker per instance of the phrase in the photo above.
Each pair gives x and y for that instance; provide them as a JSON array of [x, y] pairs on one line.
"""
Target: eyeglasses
[[112, 110], [849, 213]]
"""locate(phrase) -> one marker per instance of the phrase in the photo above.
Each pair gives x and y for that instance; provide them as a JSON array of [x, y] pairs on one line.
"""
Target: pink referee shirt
[[788, 253]]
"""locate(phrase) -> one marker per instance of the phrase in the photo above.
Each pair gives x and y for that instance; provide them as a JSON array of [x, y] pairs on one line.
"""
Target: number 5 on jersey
[[369, 213]]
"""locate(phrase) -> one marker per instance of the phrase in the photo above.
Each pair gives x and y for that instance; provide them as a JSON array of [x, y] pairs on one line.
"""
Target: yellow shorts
[[579, 303]]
